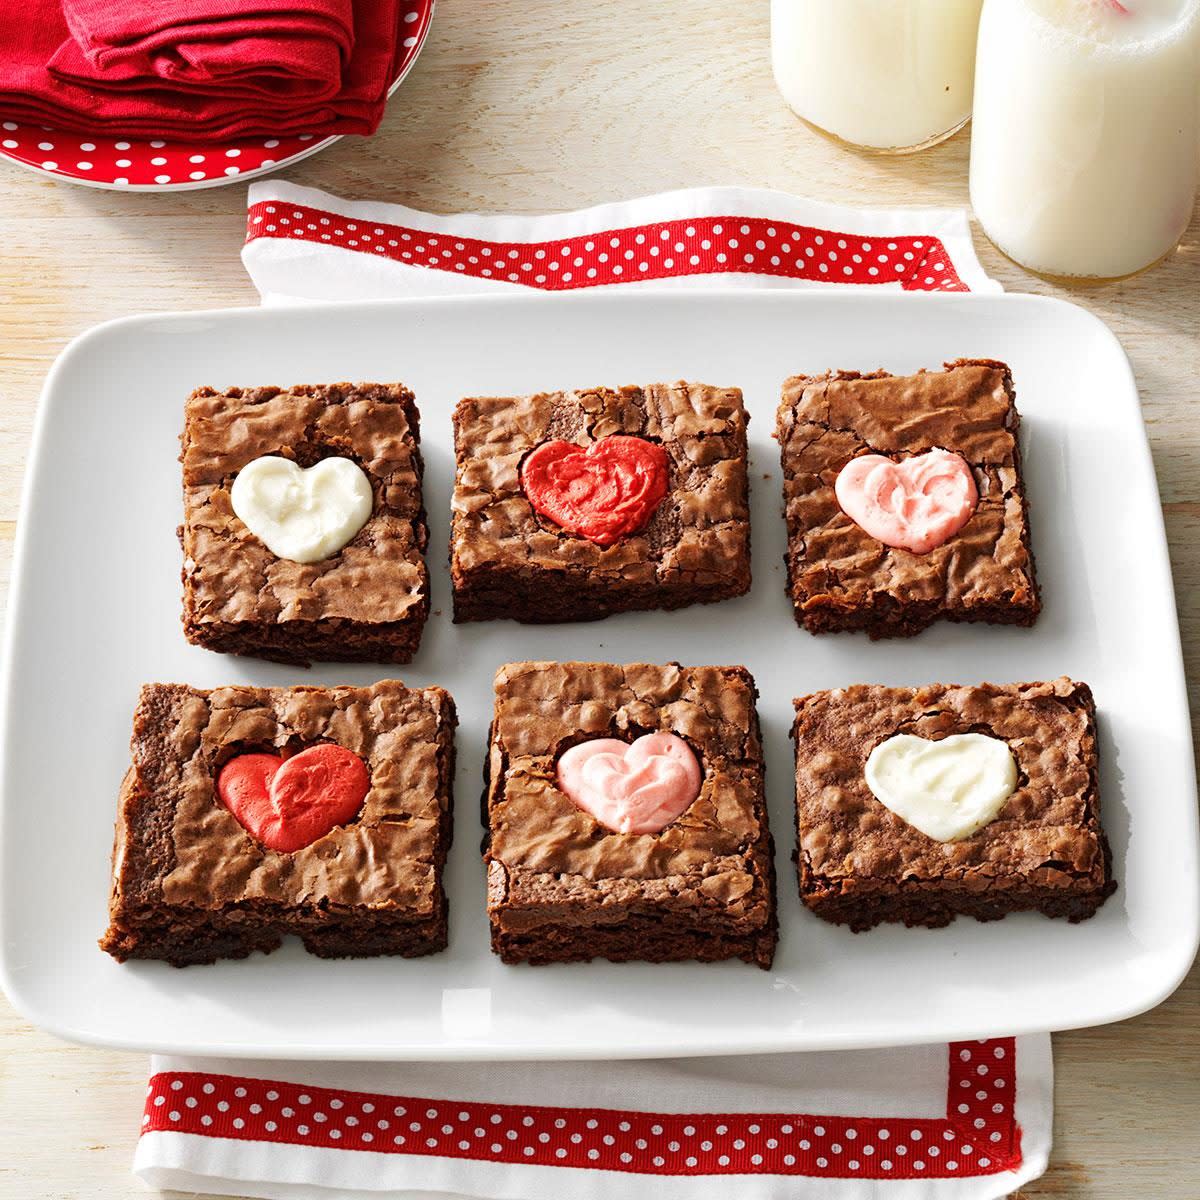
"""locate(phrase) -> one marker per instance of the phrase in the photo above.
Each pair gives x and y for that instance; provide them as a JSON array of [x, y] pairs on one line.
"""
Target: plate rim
[[1179, 958]]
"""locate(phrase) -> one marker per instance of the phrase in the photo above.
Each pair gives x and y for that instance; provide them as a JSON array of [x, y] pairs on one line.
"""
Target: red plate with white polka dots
[[138, 165]]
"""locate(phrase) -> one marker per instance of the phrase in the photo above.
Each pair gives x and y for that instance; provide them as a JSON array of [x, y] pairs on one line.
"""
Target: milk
[[886, 74], [1085, 142]]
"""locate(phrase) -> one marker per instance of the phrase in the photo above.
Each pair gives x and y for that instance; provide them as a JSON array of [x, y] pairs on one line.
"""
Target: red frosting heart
[[287, 803], [603, 492]]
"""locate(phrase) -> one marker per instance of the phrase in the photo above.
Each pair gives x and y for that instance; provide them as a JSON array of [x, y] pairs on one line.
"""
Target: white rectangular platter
[[95, 613]]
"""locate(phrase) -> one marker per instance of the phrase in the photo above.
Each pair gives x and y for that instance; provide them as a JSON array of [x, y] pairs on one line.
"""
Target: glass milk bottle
[[1086, 137], [888, 75]]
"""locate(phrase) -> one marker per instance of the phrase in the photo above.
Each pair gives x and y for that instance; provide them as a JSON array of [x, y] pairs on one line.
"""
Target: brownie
[[368, 601], [842, 578], [509, 560], [860, 864], [191, 884], [564, 888]]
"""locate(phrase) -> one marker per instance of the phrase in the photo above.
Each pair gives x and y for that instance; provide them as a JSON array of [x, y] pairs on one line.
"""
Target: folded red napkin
[[283, 49], [204, 70]]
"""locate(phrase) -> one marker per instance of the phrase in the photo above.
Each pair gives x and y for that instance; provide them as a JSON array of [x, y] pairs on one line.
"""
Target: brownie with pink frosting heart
[[626, 815], [904, 500], [570, 506], [249, 814]]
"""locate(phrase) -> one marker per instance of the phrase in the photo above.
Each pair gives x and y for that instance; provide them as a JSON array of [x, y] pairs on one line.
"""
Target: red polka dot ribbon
[[978, 1135], [729, 245]]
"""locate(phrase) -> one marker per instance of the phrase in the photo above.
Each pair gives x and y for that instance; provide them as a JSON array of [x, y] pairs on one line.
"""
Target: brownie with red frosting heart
[[249, 814], [569, 506], [905, 500], [626, 815]]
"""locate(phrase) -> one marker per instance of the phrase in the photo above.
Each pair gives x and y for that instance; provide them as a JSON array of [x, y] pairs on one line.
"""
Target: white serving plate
[[95, 612]]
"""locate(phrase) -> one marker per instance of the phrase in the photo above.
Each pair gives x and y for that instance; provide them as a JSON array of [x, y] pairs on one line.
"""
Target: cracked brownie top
[[1048, 830], [178, 844], [545, 850], [968, 409], [699, 532], [229, 574]]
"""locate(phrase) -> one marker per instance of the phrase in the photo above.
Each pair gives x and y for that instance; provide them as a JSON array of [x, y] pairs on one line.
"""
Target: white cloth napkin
[[303, 244], [968, 1121]]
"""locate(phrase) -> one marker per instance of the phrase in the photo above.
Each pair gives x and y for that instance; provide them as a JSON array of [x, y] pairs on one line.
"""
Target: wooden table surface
[[536, 105]]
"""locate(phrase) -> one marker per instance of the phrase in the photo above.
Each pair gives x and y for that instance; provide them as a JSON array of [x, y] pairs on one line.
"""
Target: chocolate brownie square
[[570, 506], [671, 755], [364, 600], [939, 485], [343, 803], [937, 753]]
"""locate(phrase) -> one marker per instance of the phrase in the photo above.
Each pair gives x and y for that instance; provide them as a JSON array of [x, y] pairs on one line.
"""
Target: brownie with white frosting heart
[[303, 523], [570, 506], [923, 804], [904, 500], [626, 815], [249, 814]]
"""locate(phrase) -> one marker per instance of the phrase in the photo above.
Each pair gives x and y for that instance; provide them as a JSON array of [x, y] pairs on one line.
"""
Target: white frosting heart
[[302, 515], [948, 789]]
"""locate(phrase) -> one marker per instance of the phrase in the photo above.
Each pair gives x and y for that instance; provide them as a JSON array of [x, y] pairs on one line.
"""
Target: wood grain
[[532, 105]]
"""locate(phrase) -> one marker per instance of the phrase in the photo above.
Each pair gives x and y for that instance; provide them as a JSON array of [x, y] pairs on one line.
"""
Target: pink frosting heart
[[915, 504], [631, 788]]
